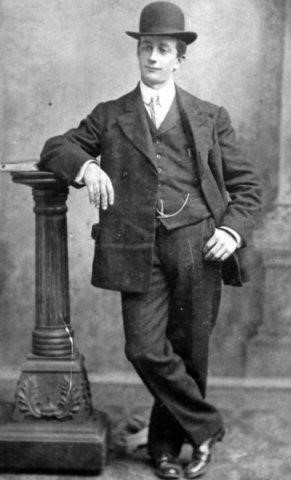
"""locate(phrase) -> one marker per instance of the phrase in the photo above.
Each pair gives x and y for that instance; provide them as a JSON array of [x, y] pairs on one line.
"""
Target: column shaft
[[51, 336]]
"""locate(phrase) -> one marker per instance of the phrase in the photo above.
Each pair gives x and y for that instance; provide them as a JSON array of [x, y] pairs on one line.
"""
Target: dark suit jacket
[[118, 131]]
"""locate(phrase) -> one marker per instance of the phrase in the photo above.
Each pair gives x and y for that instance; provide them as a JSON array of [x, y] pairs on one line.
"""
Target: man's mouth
[[152, 69]]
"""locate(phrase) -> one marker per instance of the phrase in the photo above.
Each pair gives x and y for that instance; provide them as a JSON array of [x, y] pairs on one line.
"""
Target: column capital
[[28, 173]]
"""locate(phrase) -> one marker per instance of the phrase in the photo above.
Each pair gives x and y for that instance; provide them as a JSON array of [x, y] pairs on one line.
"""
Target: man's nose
[[153, 55]]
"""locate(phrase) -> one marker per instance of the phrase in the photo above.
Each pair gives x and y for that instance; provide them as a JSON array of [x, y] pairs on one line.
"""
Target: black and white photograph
[[145, 240]]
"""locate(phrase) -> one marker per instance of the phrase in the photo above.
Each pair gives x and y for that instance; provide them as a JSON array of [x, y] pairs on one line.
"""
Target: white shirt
[[165, 95]]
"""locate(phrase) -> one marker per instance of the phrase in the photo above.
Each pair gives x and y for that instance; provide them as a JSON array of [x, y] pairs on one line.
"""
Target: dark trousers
[[167, 334]]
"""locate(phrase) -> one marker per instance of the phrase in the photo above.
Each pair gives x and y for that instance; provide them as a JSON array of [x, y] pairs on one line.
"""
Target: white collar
[[166, 93]]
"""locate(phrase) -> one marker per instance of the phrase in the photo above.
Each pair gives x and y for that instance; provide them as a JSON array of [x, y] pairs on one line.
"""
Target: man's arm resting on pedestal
[[72, 157], [66, 154]]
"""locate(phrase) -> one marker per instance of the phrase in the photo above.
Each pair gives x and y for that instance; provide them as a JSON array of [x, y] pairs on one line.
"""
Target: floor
[[257, 445]]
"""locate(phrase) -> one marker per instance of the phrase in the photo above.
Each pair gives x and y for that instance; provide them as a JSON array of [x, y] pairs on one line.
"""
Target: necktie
[[153, 105]]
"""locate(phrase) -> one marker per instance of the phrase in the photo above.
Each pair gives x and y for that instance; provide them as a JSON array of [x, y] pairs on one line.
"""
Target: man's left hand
[[220, 246]]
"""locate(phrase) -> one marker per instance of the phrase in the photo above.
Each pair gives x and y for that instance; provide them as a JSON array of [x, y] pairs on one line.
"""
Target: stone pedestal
[[52, 424], [269, 352]]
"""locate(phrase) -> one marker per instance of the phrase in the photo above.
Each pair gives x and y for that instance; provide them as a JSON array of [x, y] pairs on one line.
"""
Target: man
[[177, 206]]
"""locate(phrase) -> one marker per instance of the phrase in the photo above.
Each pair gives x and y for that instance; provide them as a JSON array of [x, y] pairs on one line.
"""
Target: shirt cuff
[[234, 234], [80, 177]]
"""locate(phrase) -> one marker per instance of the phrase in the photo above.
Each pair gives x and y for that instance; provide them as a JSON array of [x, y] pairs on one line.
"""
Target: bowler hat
[[163, 18]]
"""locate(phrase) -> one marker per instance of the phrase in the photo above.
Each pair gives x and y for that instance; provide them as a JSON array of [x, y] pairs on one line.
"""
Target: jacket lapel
[[134, 125]]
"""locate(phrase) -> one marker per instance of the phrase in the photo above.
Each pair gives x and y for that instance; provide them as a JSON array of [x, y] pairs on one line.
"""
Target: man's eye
[[163, 50]]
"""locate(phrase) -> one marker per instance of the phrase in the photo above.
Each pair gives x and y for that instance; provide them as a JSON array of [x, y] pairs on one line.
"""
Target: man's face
[[157, 59]]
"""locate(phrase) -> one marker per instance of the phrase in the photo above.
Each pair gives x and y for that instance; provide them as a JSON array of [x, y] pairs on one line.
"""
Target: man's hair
[[181, 47]]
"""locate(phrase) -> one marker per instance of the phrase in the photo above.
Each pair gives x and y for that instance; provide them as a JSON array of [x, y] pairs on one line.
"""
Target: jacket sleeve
[[65, 154], [240, 179]]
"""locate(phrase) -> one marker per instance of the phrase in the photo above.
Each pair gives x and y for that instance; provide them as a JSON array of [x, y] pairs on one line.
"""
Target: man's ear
[[180, 60]]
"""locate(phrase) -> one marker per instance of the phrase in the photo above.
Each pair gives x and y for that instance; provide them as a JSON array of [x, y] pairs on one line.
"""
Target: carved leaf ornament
[[28, 400]]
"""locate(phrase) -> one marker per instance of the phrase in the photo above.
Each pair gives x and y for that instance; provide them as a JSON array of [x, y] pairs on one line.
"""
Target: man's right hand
[[99, 186]]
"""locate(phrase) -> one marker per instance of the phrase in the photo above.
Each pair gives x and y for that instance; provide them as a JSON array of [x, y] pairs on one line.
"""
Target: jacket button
[[118, 236], [158, 156], [159, 170], [124, 174]]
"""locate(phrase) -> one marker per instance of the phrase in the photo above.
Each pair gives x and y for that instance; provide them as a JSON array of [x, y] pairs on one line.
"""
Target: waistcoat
[[179, 194]]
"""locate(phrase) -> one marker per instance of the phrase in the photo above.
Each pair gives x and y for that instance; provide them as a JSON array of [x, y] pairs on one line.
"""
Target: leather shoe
[[167, 466], [200, 459]]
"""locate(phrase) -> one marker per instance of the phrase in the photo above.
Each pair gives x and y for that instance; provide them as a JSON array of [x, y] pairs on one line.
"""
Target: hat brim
[[187, 37]]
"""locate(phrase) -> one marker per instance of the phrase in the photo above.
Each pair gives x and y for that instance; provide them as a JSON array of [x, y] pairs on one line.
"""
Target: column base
[[53, 389], [41, 445]]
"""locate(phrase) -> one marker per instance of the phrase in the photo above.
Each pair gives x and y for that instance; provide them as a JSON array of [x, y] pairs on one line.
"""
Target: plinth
[[52, 424]]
